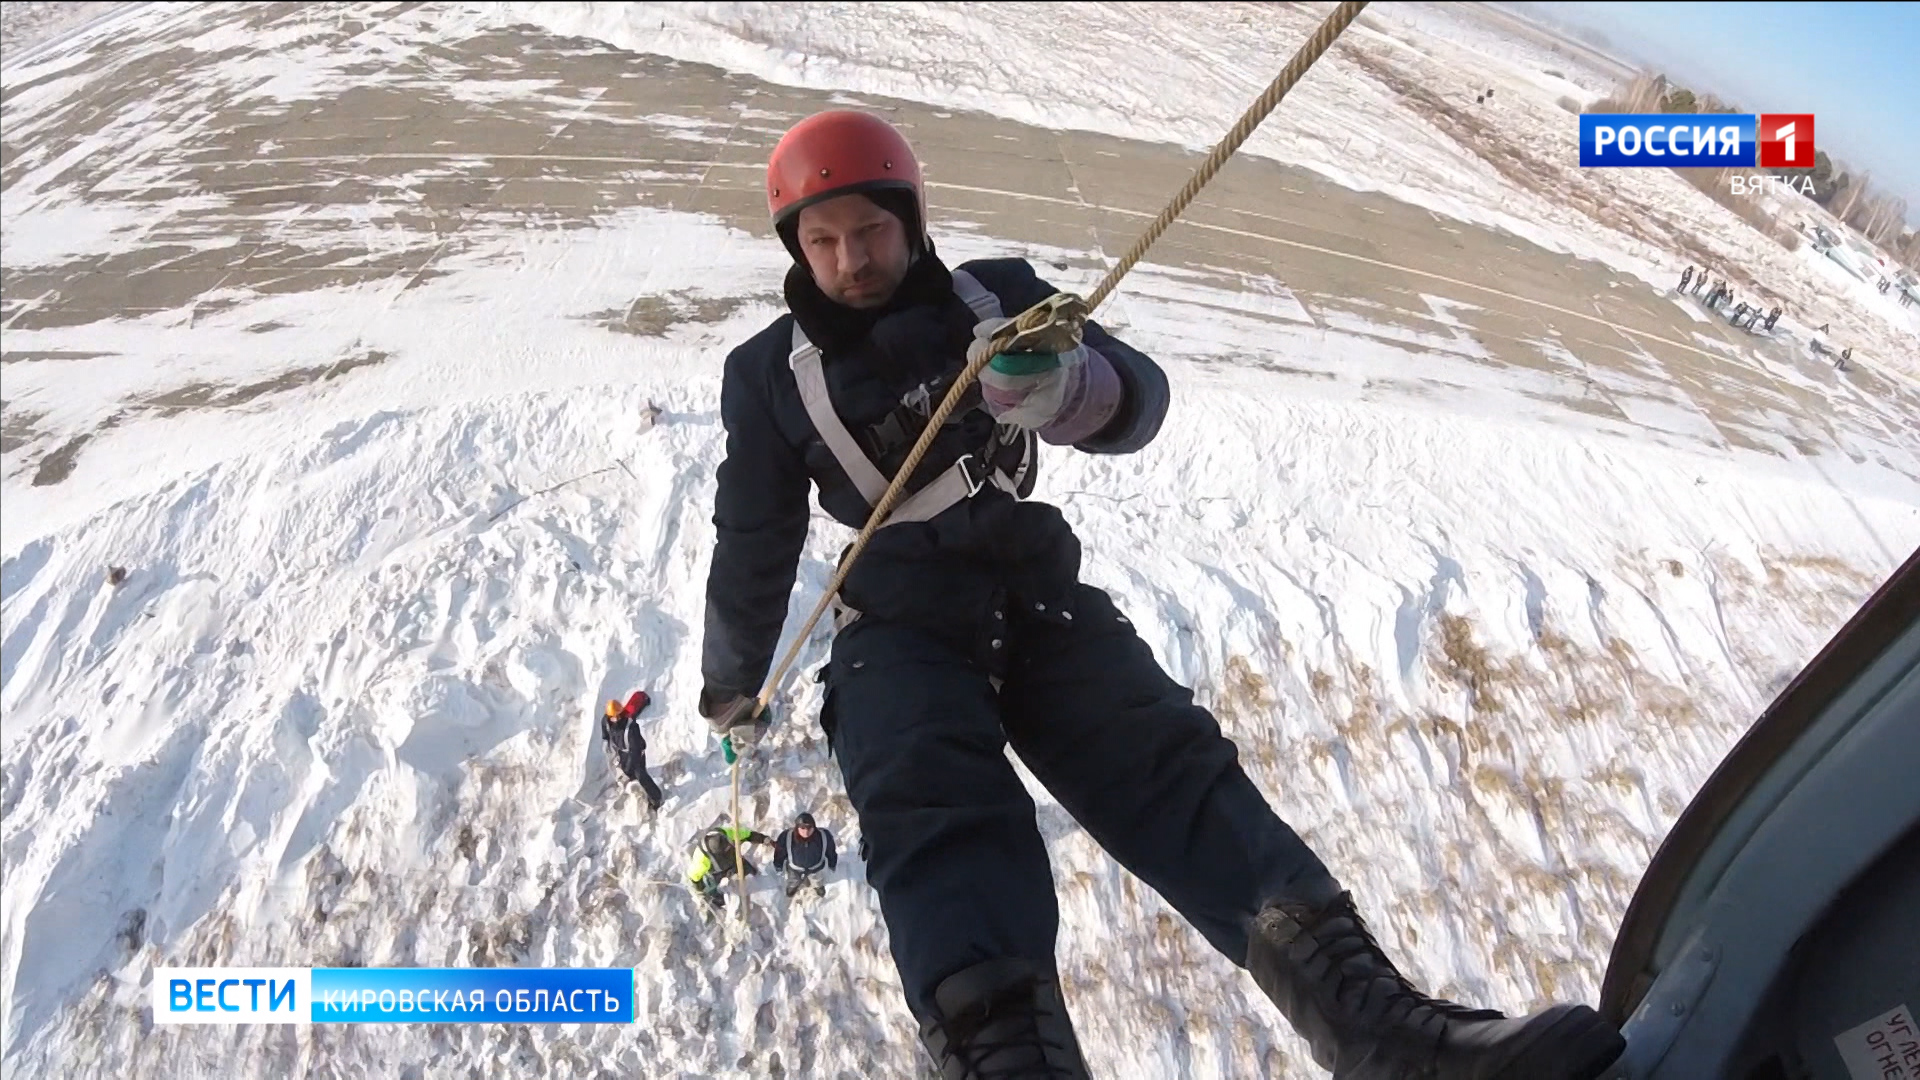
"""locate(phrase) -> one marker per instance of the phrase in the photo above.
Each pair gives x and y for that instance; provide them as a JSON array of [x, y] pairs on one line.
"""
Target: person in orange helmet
[[965, 628], [620, 730]]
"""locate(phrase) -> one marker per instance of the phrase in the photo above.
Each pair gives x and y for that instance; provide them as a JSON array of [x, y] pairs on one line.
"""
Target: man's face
[[804, 831], [857, 251]]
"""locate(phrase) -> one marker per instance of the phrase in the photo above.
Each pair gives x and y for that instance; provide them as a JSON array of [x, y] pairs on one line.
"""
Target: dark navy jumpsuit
[[975, 633]]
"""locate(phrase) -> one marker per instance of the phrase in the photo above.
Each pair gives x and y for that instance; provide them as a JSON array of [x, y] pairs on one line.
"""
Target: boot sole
[[1577, 1045]]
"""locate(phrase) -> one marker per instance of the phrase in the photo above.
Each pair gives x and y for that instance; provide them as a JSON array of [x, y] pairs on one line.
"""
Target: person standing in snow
[[620, 730], [1686, 278], [714, 861], [964, 627], [803, 851]]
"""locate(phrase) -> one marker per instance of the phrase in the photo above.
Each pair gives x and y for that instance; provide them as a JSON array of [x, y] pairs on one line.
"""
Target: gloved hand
[[1026, 389], [731, 717]]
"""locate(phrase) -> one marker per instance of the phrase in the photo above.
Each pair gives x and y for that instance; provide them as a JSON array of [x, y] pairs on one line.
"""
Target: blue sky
[[1855, 66]]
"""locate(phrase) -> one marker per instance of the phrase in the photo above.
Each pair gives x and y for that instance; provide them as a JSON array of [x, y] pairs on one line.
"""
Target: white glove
[[1026, 389]]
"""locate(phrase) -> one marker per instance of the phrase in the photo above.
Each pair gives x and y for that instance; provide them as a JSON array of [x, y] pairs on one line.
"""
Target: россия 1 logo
[[1692, 141], [1786, 140]]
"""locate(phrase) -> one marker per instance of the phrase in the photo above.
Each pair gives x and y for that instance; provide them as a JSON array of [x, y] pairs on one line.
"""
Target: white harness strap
[[985, 305], [954, 485], [957, 483], [812, 380]]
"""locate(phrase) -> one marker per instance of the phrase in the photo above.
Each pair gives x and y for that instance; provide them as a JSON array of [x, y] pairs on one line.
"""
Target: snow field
[[366, 710], [342, 709]]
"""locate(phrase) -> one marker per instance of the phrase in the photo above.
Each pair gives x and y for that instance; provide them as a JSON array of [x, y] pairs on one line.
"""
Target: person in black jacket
[[803, 851], [964, 627], [620, 730]]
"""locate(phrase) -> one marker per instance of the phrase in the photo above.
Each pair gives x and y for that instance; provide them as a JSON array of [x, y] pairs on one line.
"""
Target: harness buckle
[[919, 400], [976, 472]]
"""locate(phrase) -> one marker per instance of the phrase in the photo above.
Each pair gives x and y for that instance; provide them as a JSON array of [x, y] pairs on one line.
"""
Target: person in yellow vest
[[713, 861]]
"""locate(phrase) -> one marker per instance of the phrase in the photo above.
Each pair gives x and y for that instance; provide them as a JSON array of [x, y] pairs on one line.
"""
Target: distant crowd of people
[[1719, 295], [1744, 316]]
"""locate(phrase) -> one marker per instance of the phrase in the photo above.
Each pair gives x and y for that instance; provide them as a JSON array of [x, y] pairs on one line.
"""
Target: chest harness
[[992, 464], [958, 482]]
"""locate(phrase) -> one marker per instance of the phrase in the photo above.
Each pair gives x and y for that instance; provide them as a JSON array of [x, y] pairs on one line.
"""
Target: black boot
[[1003, 1020], [1320, 964]]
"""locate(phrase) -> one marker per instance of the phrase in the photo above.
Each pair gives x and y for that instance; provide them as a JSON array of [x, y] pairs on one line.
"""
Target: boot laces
[[977, 1052], [1339, 944]]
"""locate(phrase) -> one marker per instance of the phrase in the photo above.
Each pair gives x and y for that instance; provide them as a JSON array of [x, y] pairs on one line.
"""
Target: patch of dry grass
[[199, 395], [59, 464], [1467, 662], [655, 315], [1320, 683], [1617, 777], [1245, 692], [1777, 565]]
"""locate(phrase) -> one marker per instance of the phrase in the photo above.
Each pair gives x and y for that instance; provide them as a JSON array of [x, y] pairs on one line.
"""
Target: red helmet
[[836, 153]]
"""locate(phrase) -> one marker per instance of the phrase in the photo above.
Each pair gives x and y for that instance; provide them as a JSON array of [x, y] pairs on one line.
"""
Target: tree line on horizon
[[1848, 194]]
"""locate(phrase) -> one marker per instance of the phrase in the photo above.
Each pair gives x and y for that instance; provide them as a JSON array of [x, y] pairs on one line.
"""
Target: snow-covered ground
[[27, 25], [340, 711], [1085, 67], [1392, 108]]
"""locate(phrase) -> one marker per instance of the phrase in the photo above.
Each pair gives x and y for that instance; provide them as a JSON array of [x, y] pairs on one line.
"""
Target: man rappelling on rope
[[964, 627]]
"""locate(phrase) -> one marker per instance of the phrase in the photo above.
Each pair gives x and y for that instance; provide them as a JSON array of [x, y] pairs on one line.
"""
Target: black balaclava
[[834, 326]]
